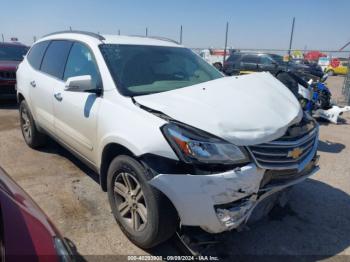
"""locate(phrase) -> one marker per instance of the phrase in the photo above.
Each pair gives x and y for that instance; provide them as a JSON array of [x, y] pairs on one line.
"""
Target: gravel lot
[[315, 223]]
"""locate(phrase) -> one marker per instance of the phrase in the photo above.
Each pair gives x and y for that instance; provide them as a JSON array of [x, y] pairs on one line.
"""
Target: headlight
[[196, 146]]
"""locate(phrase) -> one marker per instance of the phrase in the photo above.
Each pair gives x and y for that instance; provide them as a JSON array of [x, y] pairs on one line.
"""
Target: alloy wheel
[[26, 125], [130, 201]]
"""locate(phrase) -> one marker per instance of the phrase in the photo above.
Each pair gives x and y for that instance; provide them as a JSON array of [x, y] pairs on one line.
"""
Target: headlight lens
[[196, 146]]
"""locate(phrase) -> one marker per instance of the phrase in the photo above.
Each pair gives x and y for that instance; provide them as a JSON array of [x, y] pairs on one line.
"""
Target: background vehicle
[[314, 97], [314, 56], [214, 56], [137, 110], [11, 54], [323, 62], [26, 233], [315, 68], [244, 62], [337, 67]]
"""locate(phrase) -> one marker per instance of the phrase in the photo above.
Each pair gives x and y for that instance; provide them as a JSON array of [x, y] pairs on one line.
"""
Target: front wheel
[[143, 213], [218, 66]]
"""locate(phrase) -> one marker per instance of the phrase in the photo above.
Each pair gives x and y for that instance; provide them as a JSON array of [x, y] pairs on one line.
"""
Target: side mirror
[[79, 84]]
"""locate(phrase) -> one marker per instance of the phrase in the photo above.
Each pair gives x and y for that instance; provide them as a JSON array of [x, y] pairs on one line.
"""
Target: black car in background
[[246, 62]]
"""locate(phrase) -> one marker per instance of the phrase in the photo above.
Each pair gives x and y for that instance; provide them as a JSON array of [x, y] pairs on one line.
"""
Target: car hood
[[244, 110], [9, 65]]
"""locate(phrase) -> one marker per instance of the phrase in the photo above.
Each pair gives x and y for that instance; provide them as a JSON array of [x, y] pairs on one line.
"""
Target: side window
[[81, 62], [55, 58], [36, 54], [265, 60], [234, 58], [253, 59]]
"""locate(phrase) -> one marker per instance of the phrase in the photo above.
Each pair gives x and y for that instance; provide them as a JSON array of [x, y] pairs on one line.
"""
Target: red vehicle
[[313, 56], [26, 233], [11, 54]]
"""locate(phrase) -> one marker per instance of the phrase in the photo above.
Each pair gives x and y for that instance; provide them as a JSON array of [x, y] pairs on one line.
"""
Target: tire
[[31, 135], [323, 103], [155, 217], [330, 72], [218, 66]]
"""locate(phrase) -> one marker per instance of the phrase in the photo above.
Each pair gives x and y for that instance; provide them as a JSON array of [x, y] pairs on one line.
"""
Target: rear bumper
[[224, 201]]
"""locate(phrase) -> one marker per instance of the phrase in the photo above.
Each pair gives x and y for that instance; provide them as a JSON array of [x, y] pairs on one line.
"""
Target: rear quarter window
[[56, 57], [36, 54]]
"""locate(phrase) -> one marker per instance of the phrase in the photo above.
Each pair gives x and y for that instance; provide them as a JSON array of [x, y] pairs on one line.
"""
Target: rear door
[[249, 63], [44, 82], [39, 93], [267, 64], [76, 112]]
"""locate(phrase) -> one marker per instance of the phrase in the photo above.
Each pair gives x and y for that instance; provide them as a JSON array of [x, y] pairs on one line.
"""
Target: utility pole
[[225, 44], [34, 39], [181, 34], [118, 31], [70, 28], [146, 31], [291, 39], [3, 38]]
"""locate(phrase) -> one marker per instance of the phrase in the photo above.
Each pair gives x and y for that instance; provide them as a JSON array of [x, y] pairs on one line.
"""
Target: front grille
[[286, 153], [7, 75]]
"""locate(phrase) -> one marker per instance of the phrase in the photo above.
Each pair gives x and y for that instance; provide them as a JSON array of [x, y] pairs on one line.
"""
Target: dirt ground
[[316, 223]]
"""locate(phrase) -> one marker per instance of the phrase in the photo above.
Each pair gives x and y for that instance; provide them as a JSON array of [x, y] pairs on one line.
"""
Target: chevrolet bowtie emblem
[[295, 153]]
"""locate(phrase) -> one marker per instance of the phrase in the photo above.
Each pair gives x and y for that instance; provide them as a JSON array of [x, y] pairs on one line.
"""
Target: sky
[[320, 24]]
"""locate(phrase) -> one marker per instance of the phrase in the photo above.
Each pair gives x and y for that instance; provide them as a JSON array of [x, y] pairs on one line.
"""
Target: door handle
[[58, 97], [33, 84]]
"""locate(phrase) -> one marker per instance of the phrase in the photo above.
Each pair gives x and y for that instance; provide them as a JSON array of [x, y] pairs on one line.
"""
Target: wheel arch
[[109, 152], [20, 97]]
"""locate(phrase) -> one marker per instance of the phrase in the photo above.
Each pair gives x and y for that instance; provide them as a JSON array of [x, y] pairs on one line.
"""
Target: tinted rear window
[[56, 57], [36, 54], [250, 59]]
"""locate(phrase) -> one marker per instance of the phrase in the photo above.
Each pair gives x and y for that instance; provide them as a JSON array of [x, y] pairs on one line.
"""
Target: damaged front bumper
[[223, 201]]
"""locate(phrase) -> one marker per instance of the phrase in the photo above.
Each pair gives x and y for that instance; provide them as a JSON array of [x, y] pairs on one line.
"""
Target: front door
[[76, 112]]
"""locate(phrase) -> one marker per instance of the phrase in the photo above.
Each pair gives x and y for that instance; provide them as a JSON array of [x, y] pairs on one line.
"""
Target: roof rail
[[158, 38], [98, 36], [164, 39]]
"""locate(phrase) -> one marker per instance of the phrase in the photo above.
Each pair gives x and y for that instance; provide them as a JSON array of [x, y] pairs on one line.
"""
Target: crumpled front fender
[[194, 196]]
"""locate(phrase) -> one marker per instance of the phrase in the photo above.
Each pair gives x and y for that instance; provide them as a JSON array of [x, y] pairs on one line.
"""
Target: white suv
[[174, 141]]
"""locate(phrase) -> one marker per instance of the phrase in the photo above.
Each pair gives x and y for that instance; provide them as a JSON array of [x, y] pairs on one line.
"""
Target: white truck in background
[[214, 57]]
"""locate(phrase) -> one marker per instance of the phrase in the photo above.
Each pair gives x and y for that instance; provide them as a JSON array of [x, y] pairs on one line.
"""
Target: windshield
[[141, 70], [12, 52]]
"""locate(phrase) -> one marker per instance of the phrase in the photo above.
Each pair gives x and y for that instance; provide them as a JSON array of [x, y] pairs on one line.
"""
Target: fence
[[346, 87]]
